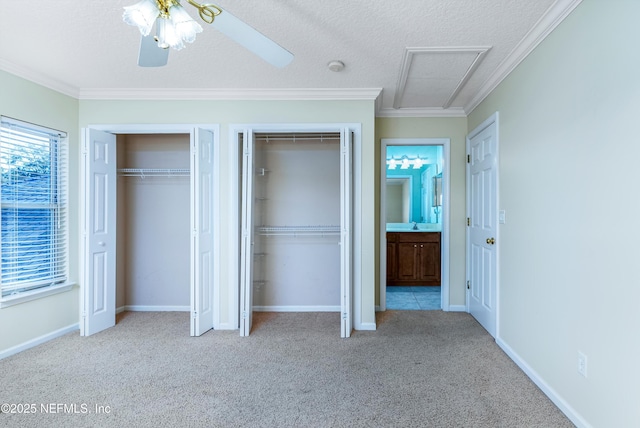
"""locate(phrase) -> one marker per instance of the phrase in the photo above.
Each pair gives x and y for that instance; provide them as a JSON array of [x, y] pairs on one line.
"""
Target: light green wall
[[226, 113], [456, 130], [569, 181], [29, 102]]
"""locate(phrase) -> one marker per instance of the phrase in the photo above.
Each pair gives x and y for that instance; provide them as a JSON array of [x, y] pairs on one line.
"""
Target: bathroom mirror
[[413, 184]]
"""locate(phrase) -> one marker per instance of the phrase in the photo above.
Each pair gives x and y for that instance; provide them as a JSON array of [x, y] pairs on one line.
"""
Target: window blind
[[33, 189]]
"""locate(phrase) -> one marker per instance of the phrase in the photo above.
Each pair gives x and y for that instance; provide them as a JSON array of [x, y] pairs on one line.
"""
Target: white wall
[[301, 188], [153, 266], [569, 184]]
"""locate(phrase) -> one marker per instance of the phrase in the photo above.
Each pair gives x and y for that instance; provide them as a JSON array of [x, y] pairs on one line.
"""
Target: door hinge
[[244, 315], [468, 221], [468, 285], [468, 158]]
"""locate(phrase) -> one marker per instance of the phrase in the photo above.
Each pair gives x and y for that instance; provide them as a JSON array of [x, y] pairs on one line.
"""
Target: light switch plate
[[502, 217]]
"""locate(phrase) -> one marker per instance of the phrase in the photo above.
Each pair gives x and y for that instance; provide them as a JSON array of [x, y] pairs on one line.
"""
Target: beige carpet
[[419, 369]]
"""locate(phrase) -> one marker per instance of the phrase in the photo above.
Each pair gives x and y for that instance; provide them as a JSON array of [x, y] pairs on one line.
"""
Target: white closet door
[[98, 290], [202, 231], [346, 286], [247, 245]]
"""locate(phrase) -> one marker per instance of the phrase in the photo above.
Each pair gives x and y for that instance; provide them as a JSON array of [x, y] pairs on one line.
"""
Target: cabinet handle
[[415, 245], [421, 246]]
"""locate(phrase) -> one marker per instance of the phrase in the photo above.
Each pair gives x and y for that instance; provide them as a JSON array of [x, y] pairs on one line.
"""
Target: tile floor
[[421, 298]]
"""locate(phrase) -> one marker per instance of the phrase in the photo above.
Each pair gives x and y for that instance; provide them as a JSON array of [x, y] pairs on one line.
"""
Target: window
[[34, 242]]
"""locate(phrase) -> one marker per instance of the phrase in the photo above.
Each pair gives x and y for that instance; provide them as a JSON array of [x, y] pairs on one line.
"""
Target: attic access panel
[[435, 76]]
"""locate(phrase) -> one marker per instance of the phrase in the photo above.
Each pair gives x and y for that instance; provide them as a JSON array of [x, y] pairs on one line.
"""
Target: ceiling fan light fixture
[[167, 36], [142, 15], [174, 28]]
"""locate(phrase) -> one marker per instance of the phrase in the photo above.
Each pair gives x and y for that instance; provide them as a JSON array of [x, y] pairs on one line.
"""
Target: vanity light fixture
[[406, 163]]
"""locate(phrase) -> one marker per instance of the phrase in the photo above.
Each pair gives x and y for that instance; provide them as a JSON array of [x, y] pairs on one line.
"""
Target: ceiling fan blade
[[150, 54], [252, 39]]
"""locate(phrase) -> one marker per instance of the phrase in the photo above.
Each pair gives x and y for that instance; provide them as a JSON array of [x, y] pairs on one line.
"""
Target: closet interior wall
[[153, 209], [297, 219]]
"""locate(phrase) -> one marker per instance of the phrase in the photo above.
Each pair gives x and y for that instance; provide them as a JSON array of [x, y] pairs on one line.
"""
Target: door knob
[[491, 241]]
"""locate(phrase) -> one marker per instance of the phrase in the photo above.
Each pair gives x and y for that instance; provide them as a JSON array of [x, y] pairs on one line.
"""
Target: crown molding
[[285, 94], [39, 78], [556, 13], [421, 112]]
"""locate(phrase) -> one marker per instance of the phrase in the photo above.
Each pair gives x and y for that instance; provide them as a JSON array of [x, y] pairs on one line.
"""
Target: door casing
[[176, 129], [446, 191], [233, 247]]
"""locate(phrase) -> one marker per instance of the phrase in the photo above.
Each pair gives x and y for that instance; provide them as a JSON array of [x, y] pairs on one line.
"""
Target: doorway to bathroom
[[414, 231]]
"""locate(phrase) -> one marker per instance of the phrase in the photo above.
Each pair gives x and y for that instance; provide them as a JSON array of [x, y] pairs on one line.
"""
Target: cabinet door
[[392, 262], [408, 256], [429, 271]]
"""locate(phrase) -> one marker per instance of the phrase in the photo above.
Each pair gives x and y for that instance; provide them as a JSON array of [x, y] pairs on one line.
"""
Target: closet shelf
[[154, 172], [299, 230]]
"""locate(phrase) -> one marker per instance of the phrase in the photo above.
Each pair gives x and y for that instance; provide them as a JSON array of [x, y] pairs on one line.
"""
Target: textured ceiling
[[427, 56]]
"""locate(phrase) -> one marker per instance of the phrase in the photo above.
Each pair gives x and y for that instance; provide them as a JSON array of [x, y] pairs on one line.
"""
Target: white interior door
[[98, 290], [346, 283], [202, 231], [247, 244], [482, 188]]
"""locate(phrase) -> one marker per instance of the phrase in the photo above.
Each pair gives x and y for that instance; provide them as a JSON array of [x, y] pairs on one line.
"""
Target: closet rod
[[154, 172], [320, 230], [294, 138]]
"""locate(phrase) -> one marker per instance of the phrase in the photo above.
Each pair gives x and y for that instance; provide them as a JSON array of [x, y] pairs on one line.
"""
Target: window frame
[[58, 283]]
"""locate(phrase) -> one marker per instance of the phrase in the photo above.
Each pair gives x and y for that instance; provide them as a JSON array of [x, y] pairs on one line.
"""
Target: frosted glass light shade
[[167, 35], [185, 27], [142, 15]]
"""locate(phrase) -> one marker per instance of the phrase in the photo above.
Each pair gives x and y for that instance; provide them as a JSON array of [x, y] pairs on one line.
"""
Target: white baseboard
[[457, 308], [38, 340], [366, 326], [564, 407], [226, 326], [147, 308], [296, 308]]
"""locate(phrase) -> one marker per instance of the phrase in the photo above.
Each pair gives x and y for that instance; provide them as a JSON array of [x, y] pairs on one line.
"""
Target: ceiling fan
[[174, 27]]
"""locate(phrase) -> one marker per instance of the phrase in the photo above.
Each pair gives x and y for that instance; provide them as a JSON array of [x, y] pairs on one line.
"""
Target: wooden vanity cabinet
[[413, 258]]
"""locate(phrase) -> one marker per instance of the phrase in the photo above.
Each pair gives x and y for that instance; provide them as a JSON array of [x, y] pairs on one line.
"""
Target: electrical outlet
[[582, 364]]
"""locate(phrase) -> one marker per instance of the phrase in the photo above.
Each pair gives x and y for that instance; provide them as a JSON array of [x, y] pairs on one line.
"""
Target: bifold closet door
[[247, 232], [98, 290], [346, 258], [202, 228]]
